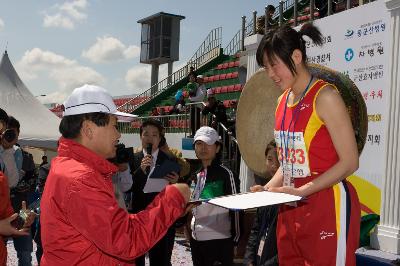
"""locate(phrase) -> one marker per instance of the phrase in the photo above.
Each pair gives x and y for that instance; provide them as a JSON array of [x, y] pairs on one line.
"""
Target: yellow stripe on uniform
[[313, 125], [340, 212], [336, 195]]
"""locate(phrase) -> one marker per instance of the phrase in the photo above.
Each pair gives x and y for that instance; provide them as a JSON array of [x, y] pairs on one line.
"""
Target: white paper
[[253, 200], [155, 185]]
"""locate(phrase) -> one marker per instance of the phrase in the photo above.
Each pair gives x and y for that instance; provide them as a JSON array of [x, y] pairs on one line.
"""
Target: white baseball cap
[[210, 93], [206, 134], [93, 99]]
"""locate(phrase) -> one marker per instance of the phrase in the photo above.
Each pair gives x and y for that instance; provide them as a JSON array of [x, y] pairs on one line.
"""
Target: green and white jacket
[[211, 222]]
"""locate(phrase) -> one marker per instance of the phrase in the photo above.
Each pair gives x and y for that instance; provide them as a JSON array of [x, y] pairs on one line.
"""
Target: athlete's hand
[[288, 190], [257, 188]]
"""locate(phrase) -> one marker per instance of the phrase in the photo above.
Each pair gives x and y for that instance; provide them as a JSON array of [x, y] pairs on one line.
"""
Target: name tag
[[293, 153]]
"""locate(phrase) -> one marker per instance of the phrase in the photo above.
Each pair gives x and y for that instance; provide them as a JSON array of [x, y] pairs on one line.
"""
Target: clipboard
[[156, 182], [168, 166], [250, 200]]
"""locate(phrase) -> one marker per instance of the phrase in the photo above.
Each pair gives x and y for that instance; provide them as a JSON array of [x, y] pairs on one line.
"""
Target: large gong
[[256, 113], [255, 118]]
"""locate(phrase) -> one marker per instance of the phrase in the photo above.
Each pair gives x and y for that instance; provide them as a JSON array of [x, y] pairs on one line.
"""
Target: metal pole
[[170, 69], [266, 19], [254, 22], [348, 4], [330, 7], [280, 13], [243, 31], [295, 15], [312, 4], [154, 77]]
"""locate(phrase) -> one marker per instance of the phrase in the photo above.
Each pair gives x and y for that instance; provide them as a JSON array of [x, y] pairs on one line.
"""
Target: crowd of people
[[104, 204], [201, 103]]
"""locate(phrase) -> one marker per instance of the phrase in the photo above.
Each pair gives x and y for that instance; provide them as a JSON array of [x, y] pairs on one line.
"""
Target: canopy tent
[[39, 126]]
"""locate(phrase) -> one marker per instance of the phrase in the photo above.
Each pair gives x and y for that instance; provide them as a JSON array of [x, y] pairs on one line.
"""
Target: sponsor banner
[[357, 43]]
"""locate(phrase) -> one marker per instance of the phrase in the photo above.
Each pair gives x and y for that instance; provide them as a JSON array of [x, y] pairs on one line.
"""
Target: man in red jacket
[[80, 219]]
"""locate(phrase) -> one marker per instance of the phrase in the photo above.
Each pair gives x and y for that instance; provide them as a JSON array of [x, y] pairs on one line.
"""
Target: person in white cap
[[82, 223], [215, 230]]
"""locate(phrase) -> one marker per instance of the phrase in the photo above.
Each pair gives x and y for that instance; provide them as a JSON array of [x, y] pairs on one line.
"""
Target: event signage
[[357, 46]]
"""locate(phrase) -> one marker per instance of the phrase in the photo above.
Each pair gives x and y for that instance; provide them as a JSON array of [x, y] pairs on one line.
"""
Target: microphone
[[149, 148]]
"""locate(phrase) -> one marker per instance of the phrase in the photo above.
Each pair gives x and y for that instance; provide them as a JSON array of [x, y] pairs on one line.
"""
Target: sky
[[57, 46]]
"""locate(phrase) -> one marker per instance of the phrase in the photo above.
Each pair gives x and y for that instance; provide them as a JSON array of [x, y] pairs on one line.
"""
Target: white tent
[[39, 126]]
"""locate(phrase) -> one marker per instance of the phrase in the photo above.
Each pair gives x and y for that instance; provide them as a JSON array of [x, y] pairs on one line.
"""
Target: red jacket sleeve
[[96, 215], [6, 209]]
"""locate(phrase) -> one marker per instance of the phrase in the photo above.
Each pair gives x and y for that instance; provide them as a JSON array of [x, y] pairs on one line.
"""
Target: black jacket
[[141, 200], [219, 110], [264, 225]]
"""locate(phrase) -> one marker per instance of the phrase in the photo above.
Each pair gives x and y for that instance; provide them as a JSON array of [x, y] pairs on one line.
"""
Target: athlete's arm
[[275, 182], [333, 112]]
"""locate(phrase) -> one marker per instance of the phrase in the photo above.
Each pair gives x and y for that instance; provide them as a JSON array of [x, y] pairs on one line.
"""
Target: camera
[[19, 222], [9, 135], [123, 155]]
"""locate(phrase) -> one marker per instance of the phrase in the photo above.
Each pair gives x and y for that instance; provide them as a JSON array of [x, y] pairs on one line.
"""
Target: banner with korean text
[[357, 43]]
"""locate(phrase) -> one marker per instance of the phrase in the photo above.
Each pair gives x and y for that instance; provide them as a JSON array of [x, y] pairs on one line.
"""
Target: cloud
[[66, 73], [108, 49], [1, 24], [58, 21], [67, 15], [73, 9], [138, 78], [132, 51]]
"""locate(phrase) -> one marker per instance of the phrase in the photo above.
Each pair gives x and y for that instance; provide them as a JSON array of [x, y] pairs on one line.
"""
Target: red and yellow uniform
[[324, 228]]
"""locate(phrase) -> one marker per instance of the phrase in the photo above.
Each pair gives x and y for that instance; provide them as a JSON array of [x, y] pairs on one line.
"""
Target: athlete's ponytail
[[308, 29], [282, 41]]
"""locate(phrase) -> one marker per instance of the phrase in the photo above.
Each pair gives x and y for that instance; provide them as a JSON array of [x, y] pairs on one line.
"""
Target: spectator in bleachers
[[232, 118], [192, 72], [271, 22], [271, 11], [179, 105], [162, 111], [217, 110], [322, 6], [196, 90], [154, 112]]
